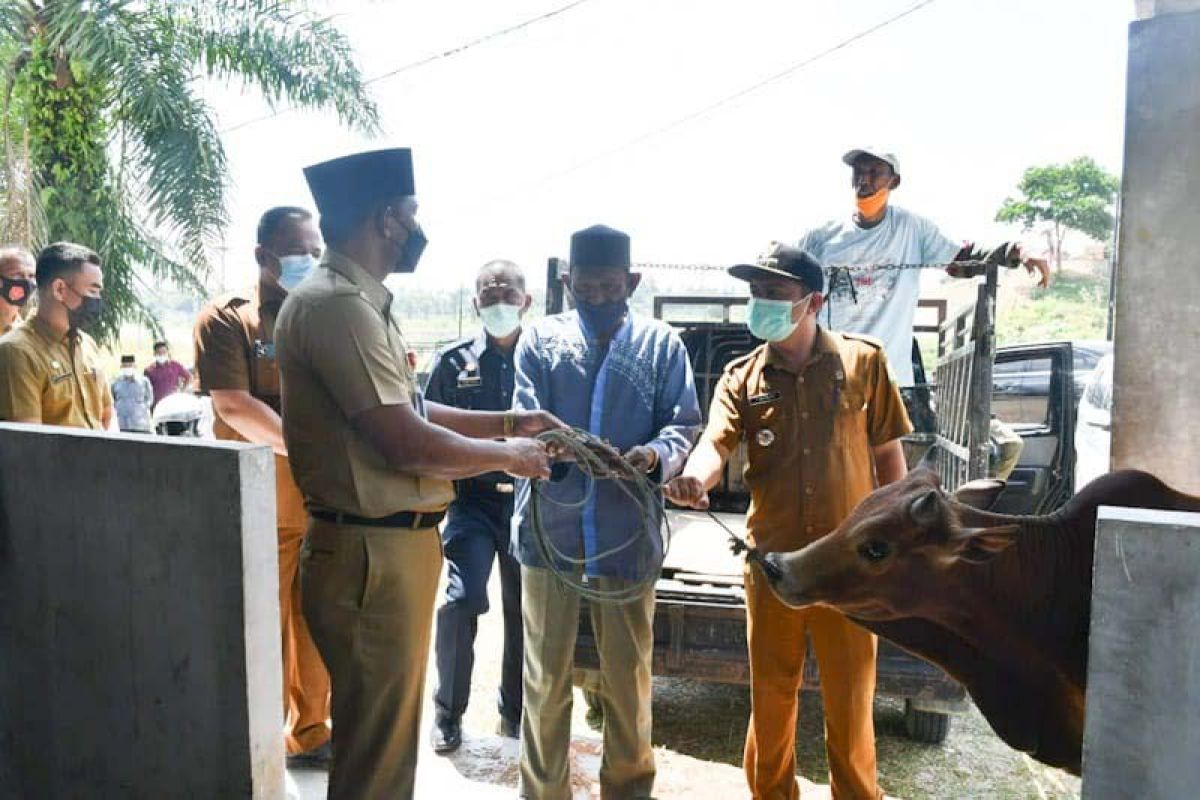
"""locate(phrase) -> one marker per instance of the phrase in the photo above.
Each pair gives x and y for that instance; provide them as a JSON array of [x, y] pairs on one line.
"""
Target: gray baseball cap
[[875, 152]]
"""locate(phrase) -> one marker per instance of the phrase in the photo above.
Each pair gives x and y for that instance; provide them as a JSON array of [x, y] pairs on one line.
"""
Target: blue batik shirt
[[639, 390]]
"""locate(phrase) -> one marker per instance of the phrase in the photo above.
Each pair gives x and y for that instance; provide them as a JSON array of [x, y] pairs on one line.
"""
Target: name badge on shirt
[[469, 380], [763, 399], [264, 349]]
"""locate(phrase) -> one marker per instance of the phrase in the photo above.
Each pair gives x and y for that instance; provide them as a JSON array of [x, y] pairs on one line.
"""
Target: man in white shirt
[[882, 302]]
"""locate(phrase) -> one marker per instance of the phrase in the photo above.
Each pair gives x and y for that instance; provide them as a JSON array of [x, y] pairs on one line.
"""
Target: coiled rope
[[598, 461]]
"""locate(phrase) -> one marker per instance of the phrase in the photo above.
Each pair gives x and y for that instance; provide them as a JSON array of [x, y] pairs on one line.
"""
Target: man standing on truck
[[822, 421], [626, 379], [882, 302]]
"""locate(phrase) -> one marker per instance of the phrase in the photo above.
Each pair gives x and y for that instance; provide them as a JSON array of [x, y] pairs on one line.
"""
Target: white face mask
[[500, 319], [160, 359], [293, 269], [127, 372]]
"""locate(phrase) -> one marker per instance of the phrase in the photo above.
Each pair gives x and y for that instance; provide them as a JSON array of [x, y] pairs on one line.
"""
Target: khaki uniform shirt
[[235, 350], [52, 378], [808, 435], [341, 353]]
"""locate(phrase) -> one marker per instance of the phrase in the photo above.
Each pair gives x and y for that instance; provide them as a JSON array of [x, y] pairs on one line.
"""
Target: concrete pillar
[[1156, 407], [1142, 736], [139, 639], [1145, 9]]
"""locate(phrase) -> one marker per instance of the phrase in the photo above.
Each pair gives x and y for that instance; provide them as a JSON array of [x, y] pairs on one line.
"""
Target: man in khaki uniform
[[17, 272], [235, 359], [822, 422], [375, 464], [49, 368]]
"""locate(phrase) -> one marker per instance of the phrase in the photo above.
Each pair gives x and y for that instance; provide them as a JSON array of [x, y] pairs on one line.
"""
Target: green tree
[[1060, 197], [108, 141]]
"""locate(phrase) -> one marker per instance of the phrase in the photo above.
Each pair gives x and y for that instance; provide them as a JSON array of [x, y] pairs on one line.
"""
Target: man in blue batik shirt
[[626, 379]]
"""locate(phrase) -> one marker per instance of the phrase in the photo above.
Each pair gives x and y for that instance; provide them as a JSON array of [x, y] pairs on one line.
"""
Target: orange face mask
[[871, 205]]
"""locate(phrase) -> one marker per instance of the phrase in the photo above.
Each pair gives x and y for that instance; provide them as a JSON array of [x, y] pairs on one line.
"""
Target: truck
[[700, 612]]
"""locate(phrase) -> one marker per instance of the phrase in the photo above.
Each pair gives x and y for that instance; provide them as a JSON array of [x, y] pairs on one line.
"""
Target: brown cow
[[1002, 603]]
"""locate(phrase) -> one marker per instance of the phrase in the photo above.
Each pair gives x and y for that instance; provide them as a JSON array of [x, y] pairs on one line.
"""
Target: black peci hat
[[347, 189], [600, 246], [784, 261]]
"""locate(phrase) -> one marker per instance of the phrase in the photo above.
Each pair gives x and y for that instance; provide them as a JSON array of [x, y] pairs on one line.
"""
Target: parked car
[[1093, 424]]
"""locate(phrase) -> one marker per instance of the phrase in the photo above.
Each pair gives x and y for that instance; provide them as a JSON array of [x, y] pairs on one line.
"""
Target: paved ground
[[698, 734]]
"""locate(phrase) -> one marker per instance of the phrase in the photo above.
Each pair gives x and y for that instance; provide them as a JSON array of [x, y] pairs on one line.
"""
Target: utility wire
[[724, 101], [453, 51]]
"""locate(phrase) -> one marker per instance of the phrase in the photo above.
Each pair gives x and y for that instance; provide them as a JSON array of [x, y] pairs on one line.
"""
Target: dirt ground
[[698, 736]]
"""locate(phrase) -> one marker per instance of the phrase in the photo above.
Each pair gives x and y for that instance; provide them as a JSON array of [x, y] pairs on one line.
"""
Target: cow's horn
[[925, 509]]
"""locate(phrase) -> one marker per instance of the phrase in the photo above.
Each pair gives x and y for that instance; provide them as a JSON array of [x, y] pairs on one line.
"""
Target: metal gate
[[963, 397]]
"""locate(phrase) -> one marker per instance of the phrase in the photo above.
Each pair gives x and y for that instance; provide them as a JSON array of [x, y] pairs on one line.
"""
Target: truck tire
[[929, 727]]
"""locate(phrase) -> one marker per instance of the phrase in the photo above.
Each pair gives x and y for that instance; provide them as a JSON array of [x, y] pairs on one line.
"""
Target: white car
[[1093, 425]]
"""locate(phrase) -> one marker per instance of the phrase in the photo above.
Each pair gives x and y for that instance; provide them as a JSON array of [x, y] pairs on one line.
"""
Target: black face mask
[[414, 245], [602, 318], [15, 291], [87, 313]]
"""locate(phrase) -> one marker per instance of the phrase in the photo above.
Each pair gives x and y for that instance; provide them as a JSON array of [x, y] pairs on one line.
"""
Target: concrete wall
[[139, 642], [1156, 405], [1142, 737]]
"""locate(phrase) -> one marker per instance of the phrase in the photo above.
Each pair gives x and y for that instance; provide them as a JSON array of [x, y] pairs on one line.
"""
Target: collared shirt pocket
[[769, 432], [264, 370], [850, 418]]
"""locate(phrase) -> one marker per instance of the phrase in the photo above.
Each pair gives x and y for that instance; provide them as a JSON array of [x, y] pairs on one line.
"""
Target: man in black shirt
[[477, 373]]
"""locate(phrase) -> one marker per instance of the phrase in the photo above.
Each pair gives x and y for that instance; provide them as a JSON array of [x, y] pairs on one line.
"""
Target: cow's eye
[[874, 550]]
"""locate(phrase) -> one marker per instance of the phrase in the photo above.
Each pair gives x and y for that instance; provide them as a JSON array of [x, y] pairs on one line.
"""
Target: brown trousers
[[846, 655], [625, 639], [305, 679], [368, 596]]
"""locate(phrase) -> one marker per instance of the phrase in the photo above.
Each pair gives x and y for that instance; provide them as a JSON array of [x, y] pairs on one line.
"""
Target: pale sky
[[519, 141]]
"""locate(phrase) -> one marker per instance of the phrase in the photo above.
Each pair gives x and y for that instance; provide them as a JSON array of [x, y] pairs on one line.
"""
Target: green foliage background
[[109, 143]]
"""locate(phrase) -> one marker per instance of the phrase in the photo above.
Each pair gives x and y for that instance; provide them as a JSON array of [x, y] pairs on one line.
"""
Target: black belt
[[401, 519]]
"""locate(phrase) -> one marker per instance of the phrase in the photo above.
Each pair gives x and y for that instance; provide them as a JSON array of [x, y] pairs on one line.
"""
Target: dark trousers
[[477, 532]]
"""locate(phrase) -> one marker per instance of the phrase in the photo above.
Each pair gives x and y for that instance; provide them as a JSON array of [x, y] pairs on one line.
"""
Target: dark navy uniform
[[474, 374]]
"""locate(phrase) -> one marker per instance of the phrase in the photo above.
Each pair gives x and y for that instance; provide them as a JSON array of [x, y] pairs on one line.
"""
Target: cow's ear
[[979, 545], [981, 493]]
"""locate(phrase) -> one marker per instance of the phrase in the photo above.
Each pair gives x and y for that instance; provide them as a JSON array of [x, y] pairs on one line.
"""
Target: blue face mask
[[293, 269], [771, 320], [500, 319], [601, 318]]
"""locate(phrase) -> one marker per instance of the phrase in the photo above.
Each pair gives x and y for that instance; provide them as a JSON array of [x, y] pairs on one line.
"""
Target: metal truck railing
[[963, 397]]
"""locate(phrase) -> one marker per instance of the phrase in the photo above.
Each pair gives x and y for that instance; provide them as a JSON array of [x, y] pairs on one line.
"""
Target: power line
[[453, 51], [708, 109]]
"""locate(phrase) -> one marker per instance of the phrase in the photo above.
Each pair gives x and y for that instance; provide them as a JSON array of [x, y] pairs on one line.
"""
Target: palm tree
[[109, 143]]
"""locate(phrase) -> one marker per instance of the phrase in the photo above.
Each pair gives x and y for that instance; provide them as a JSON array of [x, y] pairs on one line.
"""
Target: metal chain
[[965, 265]]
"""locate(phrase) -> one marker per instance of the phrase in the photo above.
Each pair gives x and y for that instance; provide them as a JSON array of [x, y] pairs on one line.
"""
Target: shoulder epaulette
[[743, 360], [865, 339]]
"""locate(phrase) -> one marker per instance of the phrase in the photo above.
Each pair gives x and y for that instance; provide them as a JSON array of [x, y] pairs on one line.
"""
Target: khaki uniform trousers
[[368, 597], [305, 679], [625, 639], [846, 656]]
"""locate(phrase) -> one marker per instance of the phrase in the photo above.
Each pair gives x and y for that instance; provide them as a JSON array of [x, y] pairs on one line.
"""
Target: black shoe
[[446, 736], [508, 728]]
